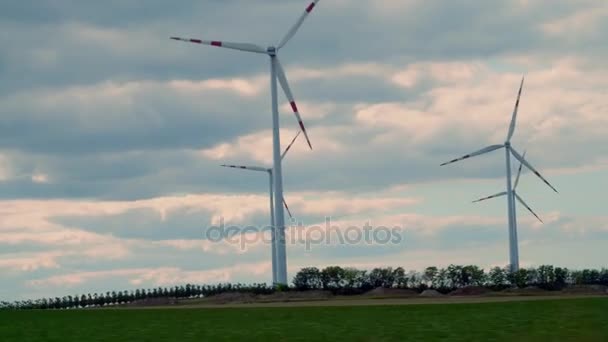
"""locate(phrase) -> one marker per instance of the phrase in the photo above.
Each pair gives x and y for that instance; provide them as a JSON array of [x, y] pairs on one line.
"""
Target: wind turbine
[[272, 221], [276, 72], [509, 150]]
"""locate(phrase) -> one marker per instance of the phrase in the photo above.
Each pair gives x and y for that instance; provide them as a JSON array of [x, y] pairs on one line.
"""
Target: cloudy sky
[[111, 135]]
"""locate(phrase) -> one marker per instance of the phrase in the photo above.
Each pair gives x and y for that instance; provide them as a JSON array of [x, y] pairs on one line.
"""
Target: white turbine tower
[[272, 226], [509, 150], [276, 72]]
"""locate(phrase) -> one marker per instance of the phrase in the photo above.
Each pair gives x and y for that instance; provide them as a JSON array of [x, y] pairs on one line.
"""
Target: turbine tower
[[509, 150], [272, 226], [276, 73]]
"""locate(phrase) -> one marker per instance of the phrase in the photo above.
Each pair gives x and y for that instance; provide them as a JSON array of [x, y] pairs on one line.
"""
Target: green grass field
[[546, 320]]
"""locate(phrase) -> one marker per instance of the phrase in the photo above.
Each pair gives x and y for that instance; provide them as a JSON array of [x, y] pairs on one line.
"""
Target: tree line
[[352, 281], [129, 296], [345, 281]]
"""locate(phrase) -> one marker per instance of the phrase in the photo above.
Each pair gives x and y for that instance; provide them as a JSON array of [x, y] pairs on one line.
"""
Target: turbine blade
[[530, 167], [514, 118], [490, 197], [243, 167], [292, 31], [476, 153], [291, 143], [519, 172], [235, 46], [527, 207], [283, 81], [287, 207]]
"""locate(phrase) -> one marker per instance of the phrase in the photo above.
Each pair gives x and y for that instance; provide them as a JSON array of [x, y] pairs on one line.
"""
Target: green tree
[[532, 276], [382, 277], [430, 276], [414, 280], [400, 277], [546, 276], [308, 278], [354, 279], [561, 277], [472, 275], [497, 277], [332, 278], [604, 276], [442, 280], [590, 276], [77, 301], [519, 278], [83, 301], [454, 273]]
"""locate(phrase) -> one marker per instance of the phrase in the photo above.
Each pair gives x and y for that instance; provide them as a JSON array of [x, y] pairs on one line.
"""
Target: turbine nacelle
[[272, 51]]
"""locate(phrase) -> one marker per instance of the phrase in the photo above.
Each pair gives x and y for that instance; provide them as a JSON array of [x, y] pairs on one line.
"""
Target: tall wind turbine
[[276, 72], [272, 221], [509, 150]]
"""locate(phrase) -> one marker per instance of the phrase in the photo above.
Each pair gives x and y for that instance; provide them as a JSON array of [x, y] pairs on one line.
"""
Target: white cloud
[[258, 147], [40, 178], [28, 263], [162, 276], [6, 171], [583, 21]]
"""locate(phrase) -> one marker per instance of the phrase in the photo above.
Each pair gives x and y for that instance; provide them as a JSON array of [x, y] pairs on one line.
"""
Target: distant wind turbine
[[272, 221], [511, 194], [276, 72]]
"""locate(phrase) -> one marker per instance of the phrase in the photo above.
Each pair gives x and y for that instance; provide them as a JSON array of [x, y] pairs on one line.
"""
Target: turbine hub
[[272, 50], [507, 144]]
